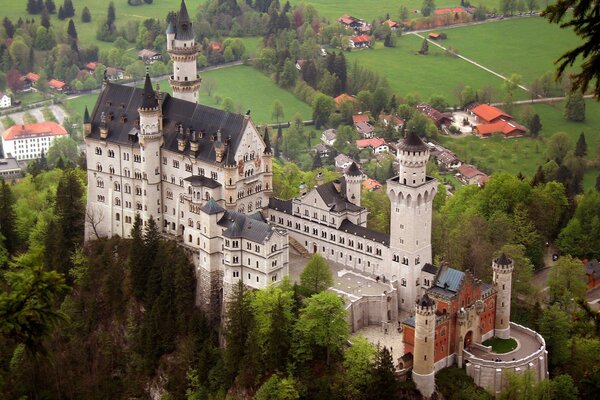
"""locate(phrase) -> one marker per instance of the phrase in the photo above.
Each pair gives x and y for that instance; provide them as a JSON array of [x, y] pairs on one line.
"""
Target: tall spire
[[267, 141], [412, 142], [184, 29], [183, 13], [86, 116], [149, 100]]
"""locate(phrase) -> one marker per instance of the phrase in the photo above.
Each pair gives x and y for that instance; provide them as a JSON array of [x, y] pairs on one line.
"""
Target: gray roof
[[432, 269], [238, 225], [450, 279], [353, 170], [337, 201], [280, 205], [412, 142], [183, 29], [409, 321], [8, 164], [425, 301], [118, 101], [486, 289], [593, 267], [503, 260], [363, 232], [212, 207], [149, 96], [200, 180]]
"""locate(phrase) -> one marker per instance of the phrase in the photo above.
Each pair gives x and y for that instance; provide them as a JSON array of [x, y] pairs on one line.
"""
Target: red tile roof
[[371, 184], [373, 142], [391, 24], [434, 35], [56, 84], [346, 19], [33, 77], [344, 97], [216, 46], [489, 113], [508, 128], [32, 130], [360, 118], [360, 39], [91, 66], [469, 171]]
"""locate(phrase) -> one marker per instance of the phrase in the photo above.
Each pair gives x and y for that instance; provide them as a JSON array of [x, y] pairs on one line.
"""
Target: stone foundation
[[425, 383], [209, 293]]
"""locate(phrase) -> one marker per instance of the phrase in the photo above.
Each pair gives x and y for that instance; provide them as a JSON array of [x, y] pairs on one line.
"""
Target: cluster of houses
[[362, 30]]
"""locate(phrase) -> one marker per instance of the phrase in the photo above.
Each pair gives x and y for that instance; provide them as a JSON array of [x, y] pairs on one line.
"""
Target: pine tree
[[317, 163], [71, 31], [45, 20], [32, 7], [8, 218], [340, 70], [151, 262], [61, 13], [31, 59], [538, 178], [68, 9], [111, 15], [85, 15], [136, 259], [9, 28], [581, 148], [240, 320], [535, 126], [383, 384], [424, 47], [69, 208], [598, 183], [50, 6]]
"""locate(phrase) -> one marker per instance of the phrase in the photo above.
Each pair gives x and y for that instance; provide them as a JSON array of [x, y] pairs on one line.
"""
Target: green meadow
[[436, 73], [526, 46], [525, 154], [247, 87]]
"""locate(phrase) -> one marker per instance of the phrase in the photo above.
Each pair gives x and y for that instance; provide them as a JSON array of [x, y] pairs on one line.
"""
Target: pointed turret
[[86, 116], [87, 122], [353, 170], [230, 161], [184, 29], [170, 28], [149, 101], [412, 142], [267, 141]]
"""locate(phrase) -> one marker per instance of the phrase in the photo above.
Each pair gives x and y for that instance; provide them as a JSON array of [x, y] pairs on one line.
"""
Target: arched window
[[99, 183], [111, 169], [117, 201], [99, 167]]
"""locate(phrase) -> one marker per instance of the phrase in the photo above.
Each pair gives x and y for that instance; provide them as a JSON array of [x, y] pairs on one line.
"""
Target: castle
[[205, 176]]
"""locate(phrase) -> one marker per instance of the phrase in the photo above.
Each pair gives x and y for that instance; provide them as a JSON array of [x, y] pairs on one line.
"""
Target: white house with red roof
[[360, 41], [26, 142], [5, 101], [57, 85], [378, 145], [493, 120]]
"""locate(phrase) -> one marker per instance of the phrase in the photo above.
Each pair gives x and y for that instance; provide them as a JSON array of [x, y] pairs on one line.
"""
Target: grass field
[[408, 72], [501, 345], [513, 46], [248, 88]]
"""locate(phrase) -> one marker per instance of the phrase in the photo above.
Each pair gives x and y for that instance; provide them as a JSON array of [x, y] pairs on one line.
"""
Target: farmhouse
[[437, 117], [360, 41], [378, 145], [328, 136], [57, 85], [470, 175], [365, 129], [149, 56], [488, 114], [5, 101], [507, 128]]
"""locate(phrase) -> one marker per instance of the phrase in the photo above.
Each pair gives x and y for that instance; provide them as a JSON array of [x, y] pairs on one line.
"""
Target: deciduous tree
[[316, 276], [575, 107]]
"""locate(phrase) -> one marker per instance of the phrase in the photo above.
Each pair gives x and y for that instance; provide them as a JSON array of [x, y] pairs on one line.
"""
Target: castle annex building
[[205, 176], [27, 142]]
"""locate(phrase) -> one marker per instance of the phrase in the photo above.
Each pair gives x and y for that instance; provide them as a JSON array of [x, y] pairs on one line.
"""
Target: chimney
[[302, 188], [219, 135], [103, 126], [193, 142], [180, 139], [319, 178]]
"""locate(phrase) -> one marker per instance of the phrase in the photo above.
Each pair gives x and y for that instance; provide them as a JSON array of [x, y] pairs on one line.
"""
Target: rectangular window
[[236, 274]]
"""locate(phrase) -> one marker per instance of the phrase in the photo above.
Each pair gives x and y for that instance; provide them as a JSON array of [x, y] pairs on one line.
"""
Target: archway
[[314, 247], [468, 340]]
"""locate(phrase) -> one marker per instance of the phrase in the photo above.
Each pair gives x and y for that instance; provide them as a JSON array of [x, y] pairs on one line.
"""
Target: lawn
[[77, 104], [501, 345], [252, 44], [248, 88], [408, 72], [519, 46]]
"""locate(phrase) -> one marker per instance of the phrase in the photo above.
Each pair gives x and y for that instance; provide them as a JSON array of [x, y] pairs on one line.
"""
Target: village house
[[324, 151], [356, 24], [342, 161], [491, 120], [114, 74], [29, 80], [10, 171], [91, 67], [439, 119], [447, 160], [360, 41], [450, 10], [56, 85], [26, 142], [344, 97], [300, 64], [328, 136], [360, 118], [5, 101], [377, 145], [470, 175], [592, 272], [365, 129], [393, 25], [149, 56], [215, 47], [371, 185], [396, 122]]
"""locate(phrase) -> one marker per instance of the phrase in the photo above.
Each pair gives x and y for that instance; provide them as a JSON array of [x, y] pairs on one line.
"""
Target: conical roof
[[184, 29], [353, 170], [503, 260], [267, 141], [412, 142], [170, 27], [230, 161], [86, 116], [149, 100]]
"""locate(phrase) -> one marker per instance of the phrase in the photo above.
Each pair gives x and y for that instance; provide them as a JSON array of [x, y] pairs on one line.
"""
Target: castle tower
[[231, 173], [268, 166], [423, 358], [411, 196], [503, 268], [183, 50], [354, 179], [151, 139]]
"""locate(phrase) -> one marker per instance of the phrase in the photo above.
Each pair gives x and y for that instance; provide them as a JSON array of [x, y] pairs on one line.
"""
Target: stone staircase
[[298, 247]]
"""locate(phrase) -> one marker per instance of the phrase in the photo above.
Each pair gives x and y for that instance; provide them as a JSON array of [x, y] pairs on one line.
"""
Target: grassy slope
[[514, 46], [247, 87], [436, 73]]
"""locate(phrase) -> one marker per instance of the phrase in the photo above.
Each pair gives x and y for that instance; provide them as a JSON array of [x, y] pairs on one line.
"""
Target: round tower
[[503, 268], [423, 359], [181, 45], [231, 172], [413, 155], [354, 178], [150, 138]]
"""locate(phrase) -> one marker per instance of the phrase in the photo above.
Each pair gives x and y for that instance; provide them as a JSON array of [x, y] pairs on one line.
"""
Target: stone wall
[[373, 310], [491, 374]]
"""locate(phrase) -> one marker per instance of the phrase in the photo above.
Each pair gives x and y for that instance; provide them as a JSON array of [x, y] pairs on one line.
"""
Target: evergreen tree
[[538, 178], [50, 6], [71, 31], [424, 47], [581, 147], [151, 262], [31, 59], [393, 105], [68, 9], [383, 384], [427, 8], [240, 320], [598, 183], [70, 209], [111, 15], [575, 107], [9, 28], [340, 70], [45, 20], [8, 218], [32, 7], [61, 13], [85, 15], [317, 161], [136, 259], [535, 126]]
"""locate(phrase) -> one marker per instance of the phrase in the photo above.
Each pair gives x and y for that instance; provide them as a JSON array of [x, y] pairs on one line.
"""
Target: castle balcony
[[178, 51]]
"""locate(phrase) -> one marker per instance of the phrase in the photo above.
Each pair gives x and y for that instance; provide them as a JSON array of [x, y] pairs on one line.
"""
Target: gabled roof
[[91, 66], [372, 142], [489, 113], [146, 53], [211, 207], [344, 97], [34, 130], [238, 225], [361, 39], [371, 184], [342, 159], [364, 127], [366, 233], [501, 126], [56, 84], [330, 134], [33, 77], [124, 100], [469, 171], [360, 118]]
